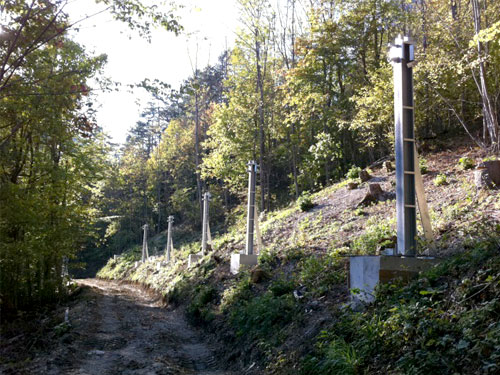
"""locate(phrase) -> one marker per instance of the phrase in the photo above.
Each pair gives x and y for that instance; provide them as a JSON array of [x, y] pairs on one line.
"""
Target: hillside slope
[[289, 314]]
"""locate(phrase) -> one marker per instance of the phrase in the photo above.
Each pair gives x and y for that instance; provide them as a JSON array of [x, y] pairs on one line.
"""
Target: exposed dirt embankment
[[115, 329]]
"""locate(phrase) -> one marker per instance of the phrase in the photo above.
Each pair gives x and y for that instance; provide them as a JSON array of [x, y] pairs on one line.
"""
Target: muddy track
[[121, 329]]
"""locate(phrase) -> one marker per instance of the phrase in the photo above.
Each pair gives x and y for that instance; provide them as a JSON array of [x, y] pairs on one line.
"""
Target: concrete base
[[365, 272], [193, 259], [239, 261]]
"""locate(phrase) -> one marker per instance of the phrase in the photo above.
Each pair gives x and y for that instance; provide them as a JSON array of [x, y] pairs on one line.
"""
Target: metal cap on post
[[252, 171], [170, 221], [402, 58], [145, 252], [204, 236]]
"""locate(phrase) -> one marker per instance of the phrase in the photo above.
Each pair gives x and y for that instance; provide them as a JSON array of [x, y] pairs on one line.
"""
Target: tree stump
[[364, 176], [388, 167], [487, 174], [352, 185], [493, 167], [482, 179], [373, 195]]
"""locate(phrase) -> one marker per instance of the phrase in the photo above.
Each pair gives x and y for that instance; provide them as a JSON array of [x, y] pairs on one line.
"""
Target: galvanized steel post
[[252, 171], [204, 236], [402, 58], [145, 252], [170, 221]]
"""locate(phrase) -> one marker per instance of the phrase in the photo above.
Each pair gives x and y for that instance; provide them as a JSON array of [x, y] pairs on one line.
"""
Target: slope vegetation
[[289, 313]]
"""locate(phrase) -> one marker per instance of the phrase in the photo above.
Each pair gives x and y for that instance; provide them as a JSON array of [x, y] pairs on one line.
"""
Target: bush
[[466, 163], [353, 172], [263, 317], [440, 180], [282, 286], [305, 202], [199, 310], [422, 163], [417, 329], [319, 274], [377, 235]]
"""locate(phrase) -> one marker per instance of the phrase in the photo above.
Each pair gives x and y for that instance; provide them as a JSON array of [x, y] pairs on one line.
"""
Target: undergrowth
[[444, 322]]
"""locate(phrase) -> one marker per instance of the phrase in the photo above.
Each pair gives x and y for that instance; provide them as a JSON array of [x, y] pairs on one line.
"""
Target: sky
[[209, 27]]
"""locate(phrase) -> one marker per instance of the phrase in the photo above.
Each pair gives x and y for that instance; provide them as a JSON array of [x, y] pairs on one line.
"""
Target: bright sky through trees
[[208, 27]]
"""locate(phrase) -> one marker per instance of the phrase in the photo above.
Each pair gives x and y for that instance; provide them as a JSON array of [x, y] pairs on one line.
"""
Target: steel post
[[170, 221], [252, 169], [402, 58], [204, 236]]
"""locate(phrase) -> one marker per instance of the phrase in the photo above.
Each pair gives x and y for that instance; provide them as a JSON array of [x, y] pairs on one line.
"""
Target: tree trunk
[[489, 114]]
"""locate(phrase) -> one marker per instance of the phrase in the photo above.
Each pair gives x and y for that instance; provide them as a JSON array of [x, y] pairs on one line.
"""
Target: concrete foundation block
[[365, 272], [193, 259], [239, 261]]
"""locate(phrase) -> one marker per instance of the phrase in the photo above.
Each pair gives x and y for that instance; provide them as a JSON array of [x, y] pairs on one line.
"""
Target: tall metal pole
[[204, 236], [170, 221], [252, 170], [145, 254], [402, 58]]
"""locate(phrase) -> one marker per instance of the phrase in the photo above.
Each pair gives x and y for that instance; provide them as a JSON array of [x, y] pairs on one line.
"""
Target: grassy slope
[[446, 321]]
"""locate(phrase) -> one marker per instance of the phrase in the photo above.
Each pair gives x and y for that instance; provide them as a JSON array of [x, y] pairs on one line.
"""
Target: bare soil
[[114, 329]]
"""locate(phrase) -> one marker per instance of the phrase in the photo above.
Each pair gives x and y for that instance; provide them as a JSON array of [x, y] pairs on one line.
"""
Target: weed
[[440, 180], [443, 322], [466, 163], [353, 172], [319, 274], [282, 286], [238, 294], [262, 317], [422, 163], [199, 310], [378, 234], [294, 254], [305, 202]]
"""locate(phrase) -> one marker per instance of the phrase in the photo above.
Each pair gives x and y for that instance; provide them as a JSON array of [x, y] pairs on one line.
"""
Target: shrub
[[263, 317], [305, 202], [281, 287], [422, 163], [440, 180], [353, 172], [378, 234], [319, 274], [199, 310], [416, 329], [466, 163]]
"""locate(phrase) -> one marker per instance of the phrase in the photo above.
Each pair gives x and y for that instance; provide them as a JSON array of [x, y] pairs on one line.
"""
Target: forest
[[306, 91]]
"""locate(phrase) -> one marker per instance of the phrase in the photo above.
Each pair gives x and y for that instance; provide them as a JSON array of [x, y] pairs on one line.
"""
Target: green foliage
[[262, 317], [238, 294], [377, 235], [353, 172], [443, 322], [305, 202], [52, 155], [422, 164], [440, 180], [282, 286], [199, 310], [466, 163], [320, 274]]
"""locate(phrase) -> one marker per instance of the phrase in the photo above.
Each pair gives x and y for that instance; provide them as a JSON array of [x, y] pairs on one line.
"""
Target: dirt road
[[120, 329]]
